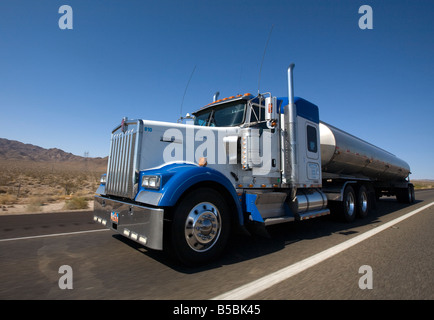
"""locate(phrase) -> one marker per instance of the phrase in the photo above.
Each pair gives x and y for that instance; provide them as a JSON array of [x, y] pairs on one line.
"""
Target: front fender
[[178, 178]]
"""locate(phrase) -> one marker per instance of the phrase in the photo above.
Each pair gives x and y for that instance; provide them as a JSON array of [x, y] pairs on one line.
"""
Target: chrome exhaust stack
[[290, 116], [291, 84]]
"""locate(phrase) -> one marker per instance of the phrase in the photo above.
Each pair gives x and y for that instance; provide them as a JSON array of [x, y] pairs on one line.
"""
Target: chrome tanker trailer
[[369, 171], [345, 154]]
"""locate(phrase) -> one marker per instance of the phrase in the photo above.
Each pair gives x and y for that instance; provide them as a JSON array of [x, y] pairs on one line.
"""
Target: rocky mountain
[[15, 150]]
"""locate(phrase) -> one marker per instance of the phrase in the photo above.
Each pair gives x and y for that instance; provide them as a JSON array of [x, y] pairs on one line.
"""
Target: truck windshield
[[227, 115]]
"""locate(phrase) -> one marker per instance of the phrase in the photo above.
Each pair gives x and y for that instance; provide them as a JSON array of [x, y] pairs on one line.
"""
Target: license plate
[[114, 216]]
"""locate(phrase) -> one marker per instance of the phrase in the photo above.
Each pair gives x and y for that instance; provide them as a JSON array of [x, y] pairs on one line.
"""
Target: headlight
[[103, 178], [151, 182]]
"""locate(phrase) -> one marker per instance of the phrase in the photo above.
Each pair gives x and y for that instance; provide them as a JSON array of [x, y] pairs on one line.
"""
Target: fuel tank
[[343, 153]]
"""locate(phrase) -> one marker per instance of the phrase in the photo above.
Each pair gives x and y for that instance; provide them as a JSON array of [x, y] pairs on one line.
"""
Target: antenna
[[263, 56], [185, 91]]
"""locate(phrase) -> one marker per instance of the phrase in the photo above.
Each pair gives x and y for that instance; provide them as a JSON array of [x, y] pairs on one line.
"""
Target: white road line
[[270, 280], [53, 235]]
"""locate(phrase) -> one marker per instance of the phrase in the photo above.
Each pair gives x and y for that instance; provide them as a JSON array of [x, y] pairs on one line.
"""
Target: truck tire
[[200, 227], [363, 202], [412, 195], [406, 195], [349, 207]]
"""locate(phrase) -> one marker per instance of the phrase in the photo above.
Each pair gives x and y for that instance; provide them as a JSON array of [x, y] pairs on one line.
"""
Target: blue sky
[[69, 88]]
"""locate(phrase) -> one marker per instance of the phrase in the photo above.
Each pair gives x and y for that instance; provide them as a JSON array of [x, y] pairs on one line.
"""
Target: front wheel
[[201, 227]]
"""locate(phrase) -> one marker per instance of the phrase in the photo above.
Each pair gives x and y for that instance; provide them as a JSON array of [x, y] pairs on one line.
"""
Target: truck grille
[[121, 178]]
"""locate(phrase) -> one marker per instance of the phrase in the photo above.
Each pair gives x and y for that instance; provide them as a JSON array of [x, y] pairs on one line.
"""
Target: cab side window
[[312, 143]]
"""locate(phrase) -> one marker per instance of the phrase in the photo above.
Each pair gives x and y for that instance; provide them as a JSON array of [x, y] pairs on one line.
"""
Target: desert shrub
[[76, 203], [7, 199], [34, 205]]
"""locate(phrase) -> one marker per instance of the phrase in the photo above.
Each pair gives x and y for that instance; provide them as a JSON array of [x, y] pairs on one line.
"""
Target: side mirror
[[271, 111]]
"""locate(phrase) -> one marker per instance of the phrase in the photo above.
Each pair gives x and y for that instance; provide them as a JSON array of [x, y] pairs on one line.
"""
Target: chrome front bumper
[[139, 223]]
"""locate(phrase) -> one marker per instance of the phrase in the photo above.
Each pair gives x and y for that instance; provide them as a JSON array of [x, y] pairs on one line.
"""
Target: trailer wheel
[[412, 195], [349, 207], [201, 227], [363, 202], [406, 195]]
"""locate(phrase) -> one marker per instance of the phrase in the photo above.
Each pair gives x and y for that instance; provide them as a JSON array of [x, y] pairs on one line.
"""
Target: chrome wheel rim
[[364, 202], [202, 226], [350, 204]]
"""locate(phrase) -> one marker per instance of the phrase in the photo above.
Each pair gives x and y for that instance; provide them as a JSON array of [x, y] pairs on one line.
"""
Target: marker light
[[143, 239], [202, 162]]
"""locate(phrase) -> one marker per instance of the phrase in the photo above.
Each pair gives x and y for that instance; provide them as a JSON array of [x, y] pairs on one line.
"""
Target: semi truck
[[240, 163]]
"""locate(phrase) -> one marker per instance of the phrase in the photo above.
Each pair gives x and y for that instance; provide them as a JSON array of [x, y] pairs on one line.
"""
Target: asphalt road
[[107, 266]]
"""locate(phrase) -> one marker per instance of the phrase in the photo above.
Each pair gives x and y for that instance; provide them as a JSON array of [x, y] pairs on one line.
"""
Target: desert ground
[[48, 186]]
